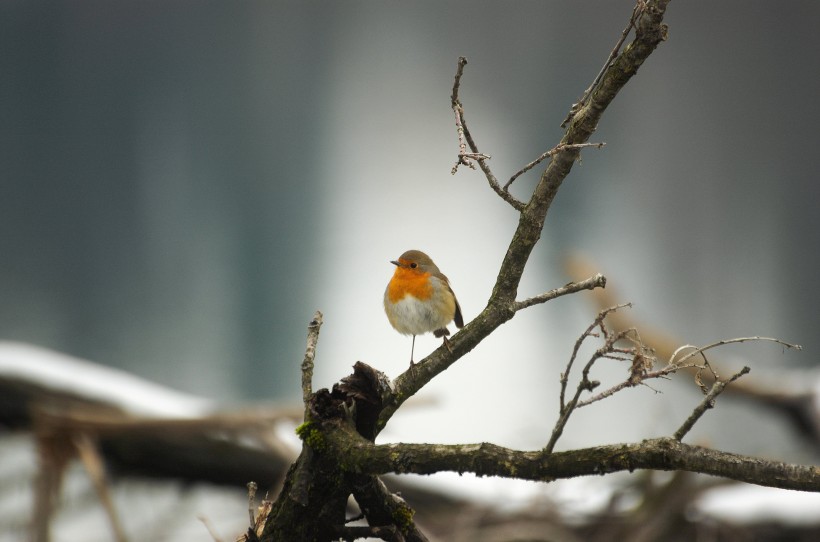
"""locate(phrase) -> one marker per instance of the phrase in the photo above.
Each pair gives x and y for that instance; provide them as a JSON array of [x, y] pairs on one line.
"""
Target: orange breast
[[409, 281]]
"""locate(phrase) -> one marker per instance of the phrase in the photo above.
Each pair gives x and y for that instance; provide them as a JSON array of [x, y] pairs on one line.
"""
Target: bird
[[418, 299]]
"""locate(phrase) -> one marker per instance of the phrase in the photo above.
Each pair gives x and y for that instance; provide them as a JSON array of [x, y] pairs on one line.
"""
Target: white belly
[[412, 317]]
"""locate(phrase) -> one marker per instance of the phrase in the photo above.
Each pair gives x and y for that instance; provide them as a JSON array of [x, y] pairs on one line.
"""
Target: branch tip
[[310, 354], [593, 282], [707, 403], [549, 154]]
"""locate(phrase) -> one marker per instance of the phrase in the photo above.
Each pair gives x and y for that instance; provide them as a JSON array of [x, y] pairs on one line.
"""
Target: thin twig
[[465, 141], [211, 529], [585, 384], [631, 382], [552, 152], [464, 157], [706, 366], [675, 365], [707, 403], [700, 349], [310, 355], [587, 333], [95, 467], [597, 281]]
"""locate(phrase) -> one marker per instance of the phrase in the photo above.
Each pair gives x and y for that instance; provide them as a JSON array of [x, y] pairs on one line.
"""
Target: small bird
[[418, 298]]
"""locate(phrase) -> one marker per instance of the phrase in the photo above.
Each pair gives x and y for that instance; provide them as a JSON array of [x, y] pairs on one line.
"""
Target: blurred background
[[182, 184]]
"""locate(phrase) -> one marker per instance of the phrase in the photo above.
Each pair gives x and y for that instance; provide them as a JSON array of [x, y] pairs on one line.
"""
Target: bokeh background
[[182, 184]]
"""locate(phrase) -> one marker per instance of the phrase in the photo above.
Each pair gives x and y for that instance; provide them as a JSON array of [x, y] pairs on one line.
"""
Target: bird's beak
[[394, 263]]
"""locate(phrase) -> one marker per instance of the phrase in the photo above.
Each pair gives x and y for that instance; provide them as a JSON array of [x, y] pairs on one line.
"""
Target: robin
[[418, 298]]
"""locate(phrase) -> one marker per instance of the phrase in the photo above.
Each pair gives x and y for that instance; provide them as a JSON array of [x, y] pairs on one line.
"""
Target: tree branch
[[650, 31], [486, 459], [382, 507], [566, 409], [636, 12]]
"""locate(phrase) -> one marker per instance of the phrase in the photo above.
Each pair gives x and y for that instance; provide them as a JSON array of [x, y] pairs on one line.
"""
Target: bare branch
[[597, 281], [383, 506], [310, 354], [550, 153], [464, 157], [94, 464], [465, 139], [643, 354], [584, 384], [698, 350], [650, 31], [589, 332], [642, 361], [485, 459], [707, 403]]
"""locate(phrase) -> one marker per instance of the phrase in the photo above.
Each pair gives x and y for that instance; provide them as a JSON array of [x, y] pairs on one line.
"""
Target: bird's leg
[[412, 348], [447, 344]]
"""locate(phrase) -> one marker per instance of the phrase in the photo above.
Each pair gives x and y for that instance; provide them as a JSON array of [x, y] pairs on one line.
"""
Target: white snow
[[61, 372]]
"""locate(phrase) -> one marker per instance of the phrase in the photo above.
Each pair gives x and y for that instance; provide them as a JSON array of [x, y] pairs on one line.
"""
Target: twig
[[310, 355], [674, 365], [585, 384], [464, 157], [588, 333], [487, 459], [707, 403], [552, 152], [211, 529], [700, 349], [699, 381], [465, 141], [597, 281], [95, 467], [640, 5], [630, 383]]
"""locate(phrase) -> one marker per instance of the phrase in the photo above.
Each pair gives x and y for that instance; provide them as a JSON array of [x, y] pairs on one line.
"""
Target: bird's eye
[[413, 265]]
